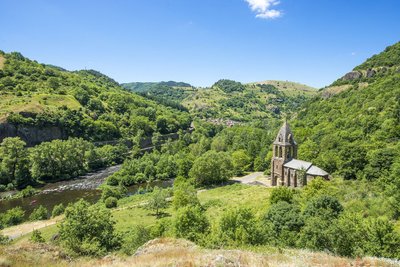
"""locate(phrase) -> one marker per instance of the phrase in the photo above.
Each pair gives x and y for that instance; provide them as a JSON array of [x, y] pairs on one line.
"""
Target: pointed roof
[[285, 136]]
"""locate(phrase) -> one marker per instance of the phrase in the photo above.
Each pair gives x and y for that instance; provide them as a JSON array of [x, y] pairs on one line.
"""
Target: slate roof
[[305, 165], [315, 171], [298, 164]]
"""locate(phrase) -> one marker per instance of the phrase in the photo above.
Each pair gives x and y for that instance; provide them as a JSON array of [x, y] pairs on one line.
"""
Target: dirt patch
[[26, 228], [2, 60]]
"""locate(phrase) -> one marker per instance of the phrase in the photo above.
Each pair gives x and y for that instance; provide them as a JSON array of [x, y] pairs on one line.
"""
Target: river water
[[65, 192]]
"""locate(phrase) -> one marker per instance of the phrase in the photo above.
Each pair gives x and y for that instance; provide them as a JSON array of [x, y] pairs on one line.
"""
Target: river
[[65, 192]]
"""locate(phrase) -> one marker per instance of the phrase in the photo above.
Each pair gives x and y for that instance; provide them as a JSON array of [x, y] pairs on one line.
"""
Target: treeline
[[52, 161]]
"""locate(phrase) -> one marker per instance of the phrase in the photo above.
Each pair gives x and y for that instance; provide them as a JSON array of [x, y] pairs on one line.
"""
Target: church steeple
[[285, 147]]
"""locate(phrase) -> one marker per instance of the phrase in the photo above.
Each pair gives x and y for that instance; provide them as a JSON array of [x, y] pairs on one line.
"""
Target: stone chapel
[[286, 170]]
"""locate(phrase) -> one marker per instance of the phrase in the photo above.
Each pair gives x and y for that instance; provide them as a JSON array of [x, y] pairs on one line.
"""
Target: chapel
[[286, 170]]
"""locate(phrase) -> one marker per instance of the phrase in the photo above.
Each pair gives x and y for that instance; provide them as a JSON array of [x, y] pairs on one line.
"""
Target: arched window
[[280, 152]]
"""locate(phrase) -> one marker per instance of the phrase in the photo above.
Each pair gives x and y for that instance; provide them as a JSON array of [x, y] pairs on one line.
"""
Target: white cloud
[[263, 8]]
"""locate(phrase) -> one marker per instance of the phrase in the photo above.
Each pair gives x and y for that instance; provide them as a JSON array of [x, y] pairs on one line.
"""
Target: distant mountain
[[140, 87], [42, 102], [229, 100]]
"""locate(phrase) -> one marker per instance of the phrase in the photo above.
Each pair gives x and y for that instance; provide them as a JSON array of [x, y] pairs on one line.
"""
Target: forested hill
[[355, 133], [229, 100], [43, 102]]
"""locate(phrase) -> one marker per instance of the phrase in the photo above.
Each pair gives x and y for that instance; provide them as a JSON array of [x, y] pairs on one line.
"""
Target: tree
[[40, 213], [14, 161], [286, 221], [158, 200], [241, 161], [323, 206], [88, 229], [239, 226], [191, 223], [211, 168], [58, 210], [184, 195]]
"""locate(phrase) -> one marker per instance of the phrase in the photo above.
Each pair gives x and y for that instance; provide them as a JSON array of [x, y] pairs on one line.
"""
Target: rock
[[352, 76], [370, 73], [220, 260]]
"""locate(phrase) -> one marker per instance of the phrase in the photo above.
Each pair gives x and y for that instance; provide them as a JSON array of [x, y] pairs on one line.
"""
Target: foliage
[[58, 210], [14, 166], [12, 216], [191, 223], [211, 168], [281, 193], [37, 237], [229, 86], [185, 194], [40, 213], [88, 230], [111, 202], [134, 238], [158, 200], [240, 227]]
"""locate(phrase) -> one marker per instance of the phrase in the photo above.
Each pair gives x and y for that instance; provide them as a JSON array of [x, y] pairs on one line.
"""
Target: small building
[[286, 170]]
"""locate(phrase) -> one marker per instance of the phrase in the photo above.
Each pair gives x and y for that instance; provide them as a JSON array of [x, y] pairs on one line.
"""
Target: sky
[[308, 41]]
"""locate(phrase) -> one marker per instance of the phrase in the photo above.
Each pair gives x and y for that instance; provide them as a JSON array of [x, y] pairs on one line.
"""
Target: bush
[[240, 227], [191, 223], [323, 206], [13, 216], [184, 195], [135, 238], [40, 213], [281, 193], [28, 191], [111, 202], [4, 240], [36, 237], [58, 210], [88, 230]]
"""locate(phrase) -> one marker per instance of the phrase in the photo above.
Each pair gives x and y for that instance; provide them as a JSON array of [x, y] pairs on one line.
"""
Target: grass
[[2, 60], [35, 103]]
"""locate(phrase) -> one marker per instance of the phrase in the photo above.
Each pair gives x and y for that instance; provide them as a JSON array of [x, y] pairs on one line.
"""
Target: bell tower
[[284, 149]]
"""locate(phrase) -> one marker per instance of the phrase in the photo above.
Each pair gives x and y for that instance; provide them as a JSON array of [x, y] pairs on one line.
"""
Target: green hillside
[[356, 132], [82, 103], [228, 100]]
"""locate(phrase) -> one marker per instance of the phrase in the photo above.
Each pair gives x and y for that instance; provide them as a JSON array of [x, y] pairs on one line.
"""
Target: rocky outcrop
[[32, 135], [353, 75]]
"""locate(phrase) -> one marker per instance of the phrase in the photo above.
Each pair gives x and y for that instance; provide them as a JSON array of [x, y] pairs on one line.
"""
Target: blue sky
[[308, 41]]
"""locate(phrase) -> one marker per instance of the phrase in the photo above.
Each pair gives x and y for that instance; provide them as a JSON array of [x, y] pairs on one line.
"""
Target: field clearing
[[2, 60], [35, 103]]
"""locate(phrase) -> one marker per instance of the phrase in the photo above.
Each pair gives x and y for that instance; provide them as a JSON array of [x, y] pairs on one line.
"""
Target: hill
[[81, 103], [355, 132], [230, 101]]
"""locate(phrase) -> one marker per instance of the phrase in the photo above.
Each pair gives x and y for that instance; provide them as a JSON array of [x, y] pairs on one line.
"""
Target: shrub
[[281, 193], [58, 210], [111, 202], [184, 195], [37, 237], [40, 213], [88, 230], [240, 227], [28, 191], [191, 223], [4, 240], [324, 206], [13, 216]]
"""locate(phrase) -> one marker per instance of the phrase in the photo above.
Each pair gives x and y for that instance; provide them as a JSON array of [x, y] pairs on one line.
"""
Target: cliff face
[[32, 135]]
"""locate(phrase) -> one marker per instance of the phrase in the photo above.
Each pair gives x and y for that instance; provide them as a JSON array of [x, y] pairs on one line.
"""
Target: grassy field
[[35, 103], [2, 60], [291, 88]]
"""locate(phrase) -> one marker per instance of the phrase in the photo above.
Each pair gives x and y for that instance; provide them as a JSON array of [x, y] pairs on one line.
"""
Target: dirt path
[[255, 178], [14, 232]]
